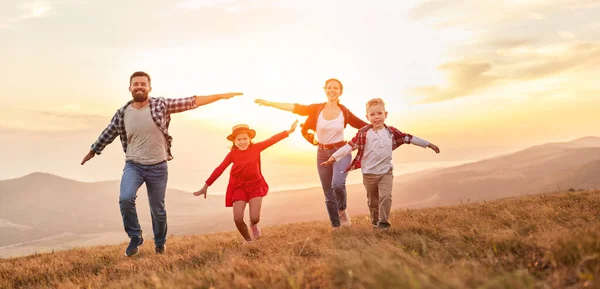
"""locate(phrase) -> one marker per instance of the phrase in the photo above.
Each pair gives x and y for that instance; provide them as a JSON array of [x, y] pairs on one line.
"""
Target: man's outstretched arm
[[106, 137], [175, 105], [203, 100]]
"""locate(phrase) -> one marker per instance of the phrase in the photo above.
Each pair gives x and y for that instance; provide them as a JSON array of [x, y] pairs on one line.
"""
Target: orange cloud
[[465, 78]]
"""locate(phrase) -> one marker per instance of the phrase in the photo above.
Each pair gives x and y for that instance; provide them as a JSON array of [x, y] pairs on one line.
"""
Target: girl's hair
[[234, 147], [336, 80]]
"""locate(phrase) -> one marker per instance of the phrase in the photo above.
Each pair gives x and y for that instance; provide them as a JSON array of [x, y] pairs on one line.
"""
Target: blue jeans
[[333, 181], [155, 176]]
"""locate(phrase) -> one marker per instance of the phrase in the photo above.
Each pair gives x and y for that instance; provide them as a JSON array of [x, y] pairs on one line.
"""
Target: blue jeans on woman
[[155, 176], [333, 181]]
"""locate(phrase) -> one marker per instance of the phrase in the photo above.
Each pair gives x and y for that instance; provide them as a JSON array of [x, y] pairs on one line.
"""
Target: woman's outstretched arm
[[279, 105]]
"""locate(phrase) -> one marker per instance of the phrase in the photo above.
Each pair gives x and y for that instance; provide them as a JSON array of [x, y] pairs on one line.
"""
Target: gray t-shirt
[[146, 143]]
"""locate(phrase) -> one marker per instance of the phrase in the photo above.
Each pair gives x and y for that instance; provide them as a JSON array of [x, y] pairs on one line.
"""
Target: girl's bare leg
[[255, 204], [238, 217]]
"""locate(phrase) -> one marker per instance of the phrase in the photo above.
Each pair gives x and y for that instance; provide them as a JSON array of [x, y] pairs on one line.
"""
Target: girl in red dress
[[246, 182]]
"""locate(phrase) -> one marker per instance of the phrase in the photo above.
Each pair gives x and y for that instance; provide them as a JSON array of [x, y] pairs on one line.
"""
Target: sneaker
[[246, 242], [134, 243], [256, 233], [345, 219], [383, 227], [160, 249]]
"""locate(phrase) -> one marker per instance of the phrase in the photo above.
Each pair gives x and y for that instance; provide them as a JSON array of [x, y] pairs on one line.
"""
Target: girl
[[246, 182], [328, 120]]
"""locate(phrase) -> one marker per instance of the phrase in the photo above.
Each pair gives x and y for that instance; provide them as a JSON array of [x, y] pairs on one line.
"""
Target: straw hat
[[241, 128]]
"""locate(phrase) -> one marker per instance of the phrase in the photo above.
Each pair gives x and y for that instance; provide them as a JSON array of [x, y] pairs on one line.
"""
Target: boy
[[375, 143]]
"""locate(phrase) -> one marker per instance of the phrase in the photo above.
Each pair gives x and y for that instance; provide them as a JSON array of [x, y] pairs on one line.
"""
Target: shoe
[[246, 242], [383, 227], [335, 228], [256, 232], [160, 249], [345, 219], [134, 243]]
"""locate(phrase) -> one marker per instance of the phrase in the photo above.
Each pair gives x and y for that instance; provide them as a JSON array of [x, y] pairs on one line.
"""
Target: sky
[[478, 78]]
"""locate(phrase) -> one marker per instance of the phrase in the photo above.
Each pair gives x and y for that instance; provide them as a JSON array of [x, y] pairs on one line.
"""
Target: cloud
[[198, 4], [465, 78], [508, 43], [519, 62], [74, 116], [24, 11], [566, 34], [33, 10], [443, 13], [574, 56], [66, 118]]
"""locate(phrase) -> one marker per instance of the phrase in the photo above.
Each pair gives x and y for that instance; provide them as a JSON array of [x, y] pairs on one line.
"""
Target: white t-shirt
[[330, 131]]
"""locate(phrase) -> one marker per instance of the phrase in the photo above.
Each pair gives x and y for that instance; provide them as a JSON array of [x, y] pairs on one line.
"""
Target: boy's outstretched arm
[[342, 152], [434, 148], [424, 144]]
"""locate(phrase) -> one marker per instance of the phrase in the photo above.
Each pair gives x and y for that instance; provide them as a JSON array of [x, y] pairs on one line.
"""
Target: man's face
[[139, 88], [376, 115], [242, 141]]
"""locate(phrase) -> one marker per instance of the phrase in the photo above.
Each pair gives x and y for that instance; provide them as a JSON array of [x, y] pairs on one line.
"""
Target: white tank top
[[330, 131]]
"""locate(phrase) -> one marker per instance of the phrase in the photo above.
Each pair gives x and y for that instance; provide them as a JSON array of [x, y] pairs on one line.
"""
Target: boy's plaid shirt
[[160, 108], [359, 142]]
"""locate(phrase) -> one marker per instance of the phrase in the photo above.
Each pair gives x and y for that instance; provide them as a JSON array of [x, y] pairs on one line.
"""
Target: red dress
[[245, 173]]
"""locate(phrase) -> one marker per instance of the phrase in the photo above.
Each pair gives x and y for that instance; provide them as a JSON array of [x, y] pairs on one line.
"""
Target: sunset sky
[[477, 77]]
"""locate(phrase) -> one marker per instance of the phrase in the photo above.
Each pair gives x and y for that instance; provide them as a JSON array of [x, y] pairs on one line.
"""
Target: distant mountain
[[41, 205], [538, 169]]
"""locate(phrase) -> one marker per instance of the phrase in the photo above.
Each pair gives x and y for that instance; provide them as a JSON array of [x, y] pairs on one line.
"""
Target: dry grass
[[549, 241]]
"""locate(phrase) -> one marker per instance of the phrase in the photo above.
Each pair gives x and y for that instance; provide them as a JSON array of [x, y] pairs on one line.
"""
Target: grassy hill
[[544, 241]]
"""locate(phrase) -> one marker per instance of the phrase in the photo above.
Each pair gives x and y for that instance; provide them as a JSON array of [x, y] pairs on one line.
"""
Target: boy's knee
[[255, 220], [385, 198]]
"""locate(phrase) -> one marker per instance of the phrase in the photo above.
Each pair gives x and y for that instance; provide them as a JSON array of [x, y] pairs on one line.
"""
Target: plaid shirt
[[160, 108], [359, 141]]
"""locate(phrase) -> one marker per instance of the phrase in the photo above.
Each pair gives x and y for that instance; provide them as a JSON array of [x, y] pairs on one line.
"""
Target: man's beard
[[139, 97]]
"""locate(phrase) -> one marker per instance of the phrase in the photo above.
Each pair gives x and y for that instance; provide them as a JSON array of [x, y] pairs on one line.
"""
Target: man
[[142, 125]]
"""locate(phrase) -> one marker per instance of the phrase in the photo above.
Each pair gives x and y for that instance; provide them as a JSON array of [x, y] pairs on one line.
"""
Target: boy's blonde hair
[[374, 102]]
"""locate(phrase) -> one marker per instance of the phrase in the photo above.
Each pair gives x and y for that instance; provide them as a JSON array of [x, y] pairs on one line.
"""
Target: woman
[[328, 120]]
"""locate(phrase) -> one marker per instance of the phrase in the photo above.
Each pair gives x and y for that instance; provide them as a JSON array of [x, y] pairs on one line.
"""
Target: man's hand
[[87, 157], [434, 148], [331, 160], [202, 191], [293, 127], [230, 95]]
